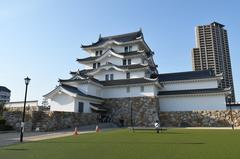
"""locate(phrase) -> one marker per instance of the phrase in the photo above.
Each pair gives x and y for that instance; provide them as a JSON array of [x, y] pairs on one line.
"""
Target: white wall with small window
[[82, 106], [129, 91], [90, 89], [192, 102], [62, 102], [101, 75], [184, 85], [120, 49]]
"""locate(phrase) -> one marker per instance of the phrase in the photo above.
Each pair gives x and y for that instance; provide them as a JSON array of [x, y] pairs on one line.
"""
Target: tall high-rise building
[[212, 52]]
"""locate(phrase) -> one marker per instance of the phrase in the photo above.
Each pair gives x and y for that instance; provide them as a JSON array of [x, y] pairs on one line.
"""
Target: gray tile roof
[[186, 75], [127, 81], [98, 107], [135, 66], [125, 54], [192, 91], [4, 89], [119, 38]]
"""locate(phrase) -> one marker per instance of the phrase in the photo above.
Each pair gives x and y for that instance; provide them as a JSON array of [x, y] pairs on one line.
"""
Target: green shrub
[[2, 121]]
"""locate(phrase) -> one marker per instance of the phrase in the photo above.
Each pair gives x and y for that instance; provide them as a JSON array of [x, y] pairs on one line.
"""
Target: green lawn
[[122, 144]]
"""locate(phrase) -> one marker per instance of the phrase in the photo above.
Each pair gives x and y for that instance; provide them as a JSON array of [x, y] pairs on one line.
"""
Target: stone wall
[[49, 121], [145, 110], [14, 119], [200, 118]]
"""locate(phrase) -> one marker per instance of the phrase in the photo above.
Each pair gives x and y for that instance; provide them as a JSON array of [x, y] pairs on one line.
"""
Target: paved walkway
[[13, 137]]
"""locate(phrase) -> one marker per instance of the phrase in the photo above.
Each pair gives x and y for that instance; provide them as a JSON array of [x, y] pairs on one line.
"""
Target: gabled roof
[[82, 73], [186, 75], [123, 54], [71, 89], [4, 89], [119, 38], [86, 80], [194, 91], [98, 107]]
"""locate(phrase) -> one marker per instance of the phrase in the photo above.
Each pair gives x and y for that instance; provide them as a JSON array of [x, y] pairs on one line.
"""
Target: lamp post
[[27, 80], [230, 106]]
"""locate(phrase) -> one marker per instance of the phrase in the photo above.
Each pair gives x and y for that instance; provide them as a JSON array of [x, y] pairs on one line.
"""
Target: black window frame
[[128, 75], [94, 65], [107, 77], [111, 77], [80, 107], [124, 62]]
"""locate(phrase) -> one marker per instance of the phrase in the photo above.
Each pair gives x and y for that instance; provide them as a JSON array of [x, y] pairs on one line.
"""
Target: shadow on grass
[[164, 133], [16, 149], [184, 143], [122, 142]]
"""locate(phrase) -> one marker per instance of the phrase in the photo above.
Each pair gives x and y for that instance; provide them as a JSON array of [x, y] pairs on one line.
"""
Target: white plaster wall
[[94, 90], [136, 60], [120, 49], [121, 91], [189, 103], [62, 102], [112, 59], [118, 74], [90, 89], [86, 106], [137, 74], [190, 85], [88, 66], [83, 88]]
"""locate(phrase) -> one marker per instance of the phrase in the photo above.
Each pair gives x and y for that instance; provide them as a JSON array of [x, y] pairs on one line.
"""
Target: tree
[[1, 107]]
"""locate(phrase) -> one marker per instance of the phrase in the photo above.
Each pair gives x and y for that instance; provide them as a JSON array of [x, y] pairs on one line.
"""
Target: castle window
[[98, 64], [128, 48], [124, 62], [94, 65], [96, 53], [129, 61], [100, 52], [142, 88], [107, 77], [111, 77], [128, 89], [128, 75], [80, 107]]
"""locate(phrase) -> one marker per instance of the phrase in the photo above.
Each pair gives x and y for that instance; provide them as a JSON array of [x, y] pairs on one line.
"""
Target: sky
[[42, 38]]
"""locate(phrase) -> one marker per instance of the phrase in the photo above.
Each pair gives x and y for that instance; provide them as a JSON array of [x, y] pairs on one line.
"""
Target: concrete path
[[14, 137]]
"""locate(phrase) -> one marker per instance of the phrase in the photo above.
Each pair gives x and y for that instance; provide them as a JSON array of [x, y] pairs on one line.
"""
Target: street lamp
[[27, 80], [229, 98]]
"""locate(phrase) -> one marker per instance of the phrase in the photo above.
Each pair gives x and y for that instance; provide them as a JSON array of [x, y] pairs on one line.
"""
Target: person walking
[[157, 126]]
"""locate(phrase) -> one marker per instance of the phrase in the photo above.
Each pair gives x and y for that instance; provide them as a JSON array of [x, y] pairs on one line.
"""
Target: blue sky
[[41, 38]]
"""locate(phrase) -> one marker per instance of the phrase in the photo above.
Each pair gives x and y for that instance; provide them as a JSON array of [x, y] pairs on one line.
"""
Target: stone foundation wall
[[145, 110], [49, 121], [200, 118]]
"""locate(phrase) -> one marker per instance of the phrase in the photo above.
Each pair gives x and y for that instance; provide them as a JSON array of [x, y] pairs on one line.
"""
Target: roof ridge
[[208, 70], [120, 35]]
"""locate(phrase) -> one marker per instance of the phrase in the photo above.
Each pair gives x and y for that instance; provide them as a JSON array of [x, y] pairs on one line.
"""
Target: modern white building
[[122, 68], [5, 94], [18, 105]]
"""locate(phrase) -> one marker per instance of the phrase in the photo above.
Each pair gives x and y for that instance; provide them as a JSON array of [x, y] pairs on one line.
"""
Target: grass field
[[122, 144]]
